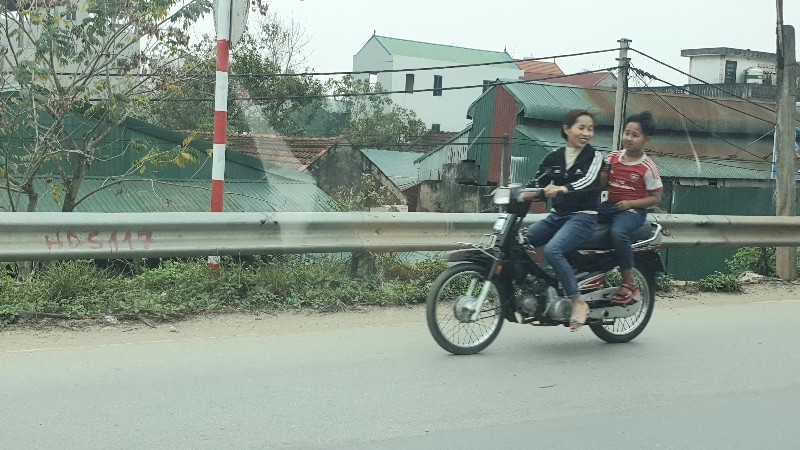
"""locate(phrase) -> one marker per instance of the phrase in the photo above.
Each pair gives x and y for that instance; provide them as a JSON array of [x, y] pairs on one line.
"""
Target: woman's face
[[633, 138], [579, 134]]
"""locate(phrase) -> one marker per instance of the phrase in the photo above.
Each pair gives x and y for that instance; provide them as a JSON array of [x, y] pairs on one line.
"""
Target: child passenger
[[573, 170], [633, 186]]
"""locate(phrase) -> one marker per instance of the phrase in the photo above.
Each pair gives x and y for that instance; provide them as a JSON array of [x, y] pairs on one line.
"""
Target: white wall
[[711, 68], [373, 56], [448, 110], [20, 42]]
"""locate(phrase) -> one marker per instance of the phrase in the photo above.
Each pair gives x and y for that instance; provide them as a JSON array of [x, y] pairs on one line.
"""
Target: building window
[[437, 85], [373, 79], [410, 83], [487, 84], [730, 72], [436, 127]]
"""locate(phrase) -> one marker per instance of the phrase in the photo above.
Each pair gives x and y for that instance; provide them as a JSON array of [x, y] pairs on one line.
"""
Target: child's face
[[633, 138], [579, 134]]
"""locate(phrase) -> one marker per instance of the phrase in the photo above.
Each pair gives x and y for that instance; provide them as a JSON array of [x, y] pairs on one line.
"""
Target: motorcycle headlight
[[502, 196]]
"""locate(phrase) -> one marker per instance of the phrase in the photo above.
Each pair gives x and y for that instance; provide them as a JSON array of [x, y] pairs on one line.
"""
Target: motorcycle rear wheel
[[462, 337], [626, 329]]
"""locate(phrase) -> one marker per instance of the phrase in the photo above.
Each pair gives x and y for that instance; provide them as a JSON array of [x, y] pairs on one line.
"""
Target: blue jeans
[[623, 223], [561, 235]]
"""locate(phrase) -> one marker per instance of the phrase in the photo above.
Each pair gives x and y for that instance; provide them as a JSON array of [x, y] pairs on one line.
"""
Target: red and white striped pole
[[223, 18]]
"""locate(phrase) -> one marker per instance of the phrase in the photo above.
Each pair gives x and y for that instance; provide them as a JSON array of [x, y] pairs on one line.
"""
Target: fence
[[55, 236]]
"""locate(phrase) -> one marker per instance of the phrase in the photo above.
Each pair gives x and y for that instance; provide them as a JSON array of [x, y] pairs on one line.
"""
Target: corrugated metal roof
[[550, 101], [398, 166], [431, 140], [455, 138], [439, 52], [191, 196], [678, 156]]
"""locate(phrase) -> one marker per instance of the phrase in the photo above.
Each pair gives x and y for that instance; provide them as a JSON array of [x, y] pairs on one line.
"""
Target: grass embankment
[[79, 289]]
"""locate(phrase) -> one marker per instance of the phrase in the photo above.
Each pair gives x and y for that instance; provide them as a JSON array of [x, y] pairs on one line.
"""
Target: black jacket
[[582, 179]]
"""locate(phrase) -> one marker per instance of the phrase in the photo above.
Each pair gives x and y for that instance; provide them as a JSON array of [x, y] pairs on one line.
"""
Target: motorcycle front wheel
[[453, 292], [627, 328]]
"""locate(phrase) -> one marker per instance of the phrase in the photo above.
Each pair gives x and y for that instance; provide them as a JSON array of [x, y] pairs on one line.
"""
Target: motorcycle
[[497, 279]]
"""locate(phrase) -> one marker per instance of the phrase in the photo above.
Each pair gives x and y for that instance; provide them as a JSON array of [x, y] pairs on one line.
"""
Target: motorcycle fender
[[468, 255]]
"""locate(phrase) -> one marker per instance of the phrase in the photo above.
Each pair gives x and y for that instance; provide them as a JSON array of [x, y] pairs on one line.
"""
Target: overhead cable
[[368, 94]]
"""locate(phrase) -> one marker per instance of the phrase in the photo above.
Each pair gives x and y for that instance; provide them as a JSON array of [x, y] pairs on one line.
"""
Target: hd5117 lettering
[[96, 240]]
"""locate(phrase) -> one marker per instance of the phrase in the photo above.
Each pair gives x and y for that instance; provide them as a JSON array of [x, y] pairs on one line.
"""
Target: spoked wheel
[[451, 306], [627, 328]]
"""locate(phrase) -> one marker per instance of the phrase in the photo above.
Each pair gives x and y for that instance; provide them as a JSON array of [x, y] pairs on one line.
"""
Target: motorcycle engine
[[533, 298]]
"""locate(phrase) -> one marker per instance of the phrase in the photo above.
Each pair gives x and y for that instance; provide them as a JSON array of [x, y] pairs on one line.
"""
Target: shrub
[[719, 282], [760, 260], [665, 282]]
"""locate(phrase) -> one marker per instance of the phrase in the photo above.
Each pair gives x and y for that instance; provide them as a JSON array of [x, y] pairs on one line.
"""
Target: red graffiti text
[[95, 240]]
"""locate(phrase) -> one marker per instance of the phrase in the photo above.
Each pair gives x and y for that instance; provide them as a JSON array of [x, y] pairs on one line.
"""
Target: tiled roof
[[582, 79], [286, 151], [431, 140], [541, 68]]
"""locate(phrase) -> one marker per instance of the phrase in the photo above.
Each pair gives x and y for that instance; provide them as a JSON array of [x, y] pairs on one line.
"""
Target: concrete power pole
[[622, 92], [785, 184]]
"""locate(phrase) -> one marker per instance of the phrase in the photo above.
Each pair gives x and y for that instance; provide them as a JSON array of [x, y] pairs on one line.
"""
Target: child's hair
[[572, 117], [645, 120]]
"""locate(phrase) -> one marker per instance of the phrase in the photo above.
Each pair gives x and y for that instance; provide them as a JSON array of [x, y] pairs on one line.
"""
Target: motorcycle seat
[[601, 237]]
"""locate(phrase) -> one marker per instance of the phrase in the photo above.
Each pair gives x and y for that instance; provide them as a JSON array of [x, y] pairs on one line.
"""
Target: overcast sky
[[339, 28]]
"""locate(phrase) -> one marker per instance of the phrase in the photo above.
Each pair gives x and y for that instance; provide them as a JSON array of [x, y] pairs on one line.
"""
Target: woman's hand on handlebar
[[551, 190]]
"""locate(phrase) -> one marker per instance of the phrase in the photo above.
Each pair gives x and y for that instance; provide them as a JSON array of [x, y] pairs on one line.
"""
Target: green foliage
[[719, 282], [665, 282], [760, 260], [362, 196], [374, 120], [270, 48], [73, 68], [78, 289]]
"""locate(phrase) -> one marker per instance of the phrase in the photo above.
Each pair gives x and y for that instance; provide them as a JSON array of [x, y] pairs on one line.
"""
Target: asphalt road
[[698, 377]]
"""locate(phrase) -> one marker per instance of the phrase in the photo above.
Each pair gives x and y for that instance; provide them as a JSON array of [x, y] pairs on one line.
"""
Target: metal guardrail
[[43, 236]]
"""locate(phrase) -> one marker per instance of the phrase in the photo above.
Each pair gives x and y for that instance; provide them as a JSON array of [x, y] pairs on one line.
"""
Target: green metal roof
[[398, 166], [550, 101], [190, 196], [441, 52], [675, 155]]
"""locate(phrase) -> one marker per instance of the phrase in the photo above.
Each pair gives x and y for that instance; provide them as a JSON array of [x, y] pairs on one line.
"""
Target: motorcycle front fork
[[481, 299]]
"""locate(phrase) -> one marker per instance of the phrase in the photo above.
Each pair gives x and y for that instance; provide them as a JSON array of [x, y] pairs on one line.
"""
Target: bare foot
[[580, 312]]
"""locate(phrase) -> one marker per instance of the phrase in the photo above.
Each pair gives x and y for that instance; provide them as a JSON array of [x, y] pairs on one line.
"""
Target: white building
[[723, 65], [439, 106], [125, 45]]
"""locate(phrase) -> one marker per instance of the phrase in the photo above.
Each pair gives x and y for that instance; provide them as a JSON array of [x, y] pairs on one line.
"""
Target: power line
[[415, 69], [703, 82], [368, 94], [361, 72], [649, 75], [636, 71]]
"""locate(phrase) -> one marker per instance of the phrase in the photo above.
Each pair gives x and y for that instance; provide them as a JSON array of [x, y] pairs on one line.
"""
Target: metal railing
[[54, 236]]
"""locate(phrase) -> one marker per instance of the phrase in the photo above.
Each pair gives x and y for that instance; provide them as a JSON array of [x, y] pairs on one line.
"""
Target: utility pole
[[503, 162], [785, 184], [622, 92]]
